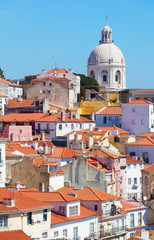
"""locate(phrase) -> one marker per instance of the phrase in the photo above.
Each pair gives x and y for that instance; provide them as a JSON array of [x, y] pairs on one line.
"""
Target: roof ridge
[[94, 193]]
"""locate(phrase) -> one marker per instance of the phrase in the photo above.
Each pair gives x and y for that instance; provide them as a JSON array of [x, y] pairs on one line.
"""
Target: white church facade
[[106, 63]]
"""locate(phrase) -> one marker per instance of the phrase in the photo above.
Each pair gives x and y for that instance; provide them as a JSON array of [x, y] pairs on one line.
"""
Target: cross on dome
[[106, 34]]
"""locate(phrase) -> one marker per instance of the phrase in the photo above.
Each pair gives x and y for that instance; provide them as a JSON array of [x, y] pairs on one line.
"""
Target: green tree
[[1, 73]]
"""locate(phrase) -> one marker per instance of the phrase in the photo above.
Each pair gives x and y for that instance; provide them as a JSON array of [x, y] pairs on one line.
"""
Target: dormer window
[[62, 210], [73, 211]]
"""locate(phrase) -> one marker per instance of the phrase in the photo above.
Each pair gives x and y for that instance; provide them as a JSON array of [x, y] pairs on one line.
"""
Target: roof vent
[[72, 194], [78, 187]]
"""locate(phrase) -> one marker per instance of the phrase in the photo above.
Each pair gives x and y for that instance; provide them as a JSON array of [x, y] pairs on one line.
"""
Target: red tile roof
[[3, 95], [60, 70], [89, 194], [13, 146], [50, 196], [111, 128], [13, 235], [146, 134], [130, 160], [128, 206], [93, 162], [52, 106], [149, 168], [40, 117], [140, 101], [10, 83], [110, 111], [100, 152], [147, 141], [63, 152], [84, 213], [14, 103], [144, 91]]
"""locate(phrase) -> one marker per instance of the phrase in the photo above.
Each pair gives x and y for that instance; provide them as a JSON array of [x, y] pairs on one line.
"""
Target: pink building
[[17, 133]]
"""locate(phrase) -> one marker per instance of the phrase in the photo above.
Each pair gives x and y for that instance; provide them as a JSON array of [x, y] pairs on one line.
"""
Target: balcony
[[112, 232], [111, 212]]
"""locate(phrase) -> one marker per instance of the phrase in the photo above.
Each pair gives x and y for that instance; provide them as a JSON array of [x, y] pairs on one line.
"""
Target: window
[[26, 124], [62, 210], [1, 126], [29, 218], [122, 223], [47, 126], [133, 110], [152, 99], [129, 166], [91, 229], [45, 215], [48, 91], [56, 234], [110, 118], [95, 207], [135, 166], [50, 84], [72, 126], [44, 235], [129, 181], [3, 221], [0, 155], [116, 78], [80, 125], [44, 84], [135, 195], [142, 121], [132, 154], [60, 126], [104, 78], [129, 196], [132, 220], [140, 180], [73, 211], [75, 233], [135, 180], [146, 98], [38, 126], [137, 98], [131, 234], [116, 118], [133, 122], [65, 233], [145, 157], [12, 124], [104, 120]]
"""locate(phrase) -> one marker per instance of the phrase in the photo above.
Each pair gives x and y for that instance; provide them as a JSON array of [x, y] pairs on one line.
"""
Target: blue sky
[[36, 34]]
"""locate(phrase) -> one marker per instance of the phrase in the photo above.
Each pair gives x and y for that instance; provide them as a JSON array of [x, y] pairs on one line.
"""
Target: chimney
[[90, 127], [77, 116], [90, 141], [42, 136], [92, 116], [8, 202], [35, 145], [71, 115], [45, 148], [52, 149], [63, 116]]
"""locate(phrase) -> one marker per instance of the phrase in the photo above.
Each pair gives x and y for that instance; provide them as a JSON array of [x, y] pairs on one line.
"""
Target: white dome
[[106, 29], [106, 53]]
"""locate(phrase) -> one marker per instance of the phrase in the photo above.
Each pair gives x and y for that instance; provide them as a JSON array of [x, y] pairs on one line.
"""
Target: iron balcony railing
[[112, 231]]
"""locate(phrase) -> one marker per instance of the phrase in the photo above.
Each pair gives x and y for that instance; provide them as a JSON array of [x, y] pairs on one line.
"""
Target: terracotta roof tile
[[140, 101], [146, 134], [149, 168], [84, 213], [130, 160], [110, 111], [13, 235], [40, 117], [10, 83], [128, 206], [50, 196], [111, 128], [60, 70], [147, 141], [144, 91], [100, 152], [3, 95], [12, 147], [63, 152], [89, 194], [14, 103]]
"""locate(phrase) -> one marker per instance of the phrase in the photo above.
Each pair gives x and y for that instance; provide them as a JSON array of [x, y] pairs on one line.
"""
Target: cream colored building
[[106, 63]]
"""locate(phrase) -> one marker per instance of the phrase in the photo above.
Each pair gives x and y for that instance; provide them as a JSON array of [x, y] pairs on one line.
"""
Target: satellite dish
[[145, 198]]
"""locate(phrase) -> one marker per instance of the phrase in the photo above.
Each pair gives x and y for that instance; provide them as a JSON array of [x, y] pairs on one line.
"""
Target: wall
[[80, 173], [110, 120], [56, 182], [18, 133], [2, 164], [56, 93]]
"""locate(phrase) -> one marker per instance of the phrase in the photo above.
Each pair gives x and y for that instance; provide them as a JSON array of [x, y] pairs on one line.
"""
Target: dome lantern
[[106, 34]]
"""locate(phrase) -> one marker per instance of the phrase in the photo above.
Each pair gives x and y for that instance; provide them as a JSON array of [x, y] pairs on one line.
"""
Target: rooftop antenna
[[106, 20]]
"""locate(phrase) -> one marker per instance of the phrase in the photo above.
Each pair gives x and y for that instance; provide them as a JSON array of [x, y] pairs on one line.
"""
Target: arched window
[[92, 74], [118, 77], [105, 77]]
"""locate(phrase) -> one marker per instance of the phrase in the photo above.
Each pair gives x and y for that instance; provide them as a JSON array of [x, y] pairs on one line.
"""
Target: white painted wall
[[137, 118], [2, 165], [139, 150], [56, 181], [133, 171]]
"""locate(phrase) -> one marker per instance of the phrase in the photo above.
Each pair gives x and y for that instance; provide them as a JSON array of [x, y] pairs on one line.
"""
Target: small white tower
[[107, 64]]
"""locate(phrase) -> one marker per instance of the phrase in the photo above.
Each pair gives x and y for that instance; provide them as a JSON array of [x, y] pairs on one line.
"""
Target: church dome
[[106, 53]]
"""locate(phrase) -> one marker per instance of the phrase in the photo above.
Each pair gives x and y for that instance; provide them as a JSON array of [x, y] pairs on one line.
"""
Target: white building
[[143, 147], [136, 218], [3, 102], [12, 90], [58, 125], [2, 162], [107, 64], [138, 117], [63, 73], [109, 116], [133, 177]]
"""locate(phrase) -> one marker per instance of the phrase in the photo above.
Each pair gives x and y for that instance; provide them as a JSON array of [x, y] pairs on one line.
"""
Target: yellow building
[[146, 94]]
